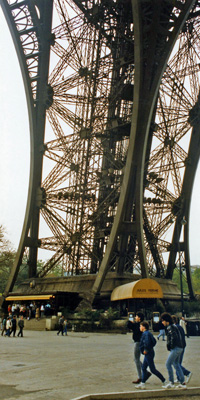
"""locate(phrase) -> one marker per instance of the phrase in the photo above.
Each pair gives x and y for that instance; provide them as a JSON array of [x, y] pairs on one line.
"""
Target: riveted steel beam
[[30, 27]]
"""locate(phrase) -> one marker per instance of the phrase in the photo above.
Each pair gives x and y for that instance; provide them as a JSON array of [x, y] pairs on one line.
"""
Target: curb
[[143, 394]]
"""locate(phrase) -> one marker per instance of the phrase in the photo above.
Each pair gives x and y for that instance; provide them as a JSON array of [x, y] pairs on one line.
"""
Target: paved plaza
[[42, 365]]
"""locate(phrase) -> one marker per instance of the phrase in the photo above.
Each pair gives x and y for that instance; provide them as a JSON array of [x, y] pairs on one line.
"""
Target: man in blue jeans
[[175, 346], [186, 372]]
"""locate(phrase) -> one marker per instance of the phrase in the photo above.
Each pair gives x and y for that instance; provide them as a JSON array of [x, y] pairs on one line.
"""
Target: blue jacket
[[147, 342]]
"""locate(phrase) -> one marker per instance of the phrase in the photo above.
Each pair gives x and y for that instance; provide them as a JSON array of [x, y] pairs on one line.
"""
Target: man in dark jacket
[[14, 325], [61, 325], [175, 346], [135, 327], [186, 372], [21, 326]]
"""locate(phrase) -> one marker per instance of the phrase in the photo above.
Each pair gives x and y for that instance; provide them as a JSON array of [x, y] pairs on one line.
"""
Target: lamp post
[[181, 284], [183, 222]]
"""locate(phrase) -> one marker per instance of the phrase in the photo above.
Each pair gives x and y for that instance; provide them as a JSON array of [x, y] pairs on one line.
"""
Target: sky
[[14, 139], [15, 150]]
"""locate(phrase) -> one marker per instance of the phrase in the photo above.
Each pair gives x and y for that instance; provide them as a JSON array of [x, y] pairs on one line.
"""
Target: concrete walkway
[[42, 366]]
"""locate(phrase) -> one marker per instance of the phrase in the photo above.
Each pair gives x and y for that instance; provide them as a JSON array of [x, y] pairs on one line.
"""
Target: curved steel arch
[[31, 33], [116, 185]]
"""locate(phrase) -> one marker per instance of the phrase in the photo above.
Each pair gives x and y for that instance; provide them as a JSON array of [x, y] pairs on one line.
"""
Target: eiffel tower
[[112, 88]]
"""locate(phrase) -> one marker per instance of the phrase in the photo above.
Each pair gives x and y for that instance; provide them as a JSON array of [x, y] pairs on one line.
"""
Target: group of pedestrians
[[62, 326], [9, 326], [144, 343]]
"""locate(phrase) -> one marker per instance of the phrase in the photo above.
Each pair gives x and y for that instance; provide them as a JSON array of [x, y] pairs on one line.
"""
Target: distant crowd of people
[[18, 312], [144, 343], [31, 310]]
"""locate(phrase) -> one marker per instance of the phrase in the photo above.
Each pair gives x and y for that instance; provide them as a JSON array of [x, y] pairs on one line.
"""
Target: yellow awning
[[144, 288], [33, 297]]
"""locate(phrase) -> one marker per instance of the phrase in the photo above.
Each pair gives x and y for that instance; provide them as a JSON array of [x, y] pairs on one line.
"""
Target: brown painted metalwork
[[113, 166]]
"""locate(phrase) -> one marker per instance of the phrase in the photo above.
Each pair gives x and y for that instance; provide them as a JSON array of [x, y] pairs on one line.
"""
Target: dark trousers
[[148, 361], [60, 329], [20, 332], [13, 331]]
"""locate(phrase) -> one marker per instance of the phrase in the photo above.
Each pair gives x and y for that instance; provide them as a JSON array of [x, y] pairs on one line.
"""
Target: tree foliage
[[7, 257], [195, 279]]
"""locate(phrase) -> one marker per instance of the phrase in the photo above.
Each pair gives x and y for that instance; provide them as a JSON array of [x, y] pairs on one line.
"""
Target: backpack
[[153, 340]]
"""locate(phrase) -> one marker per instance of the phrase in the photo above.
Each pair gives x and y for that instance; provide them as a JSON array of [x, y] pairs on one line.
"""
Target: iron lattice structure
[[113, 97]]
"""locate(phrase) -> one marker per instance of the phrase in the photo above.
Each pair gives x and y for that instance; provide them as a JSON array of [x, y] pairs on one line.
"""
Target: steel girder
[[121, 100], [30, 26]]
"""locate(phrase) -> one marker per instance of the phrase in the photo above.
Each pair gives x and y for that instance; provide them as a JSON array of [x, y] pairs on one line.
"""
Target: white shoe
[[141, 386], [182, 386], [187, 379], [176, 381], [169, 385]]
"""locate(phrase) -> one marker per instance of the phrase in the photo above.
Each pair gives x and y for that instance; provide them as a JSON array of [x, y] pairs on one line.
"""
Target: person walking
[[21, 326], [8, 326], [3, 326], [147, 343], [183, 325], [14, 325], [61, 325], [65, 327], [135, 327], [175, 346], [161, 331], [186, 372]]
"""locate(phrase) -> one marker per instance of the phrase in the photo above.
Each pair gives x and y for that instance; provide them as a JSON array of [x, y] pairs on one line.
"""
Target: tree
[[4, 244], [7, 256], [195, 279]]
